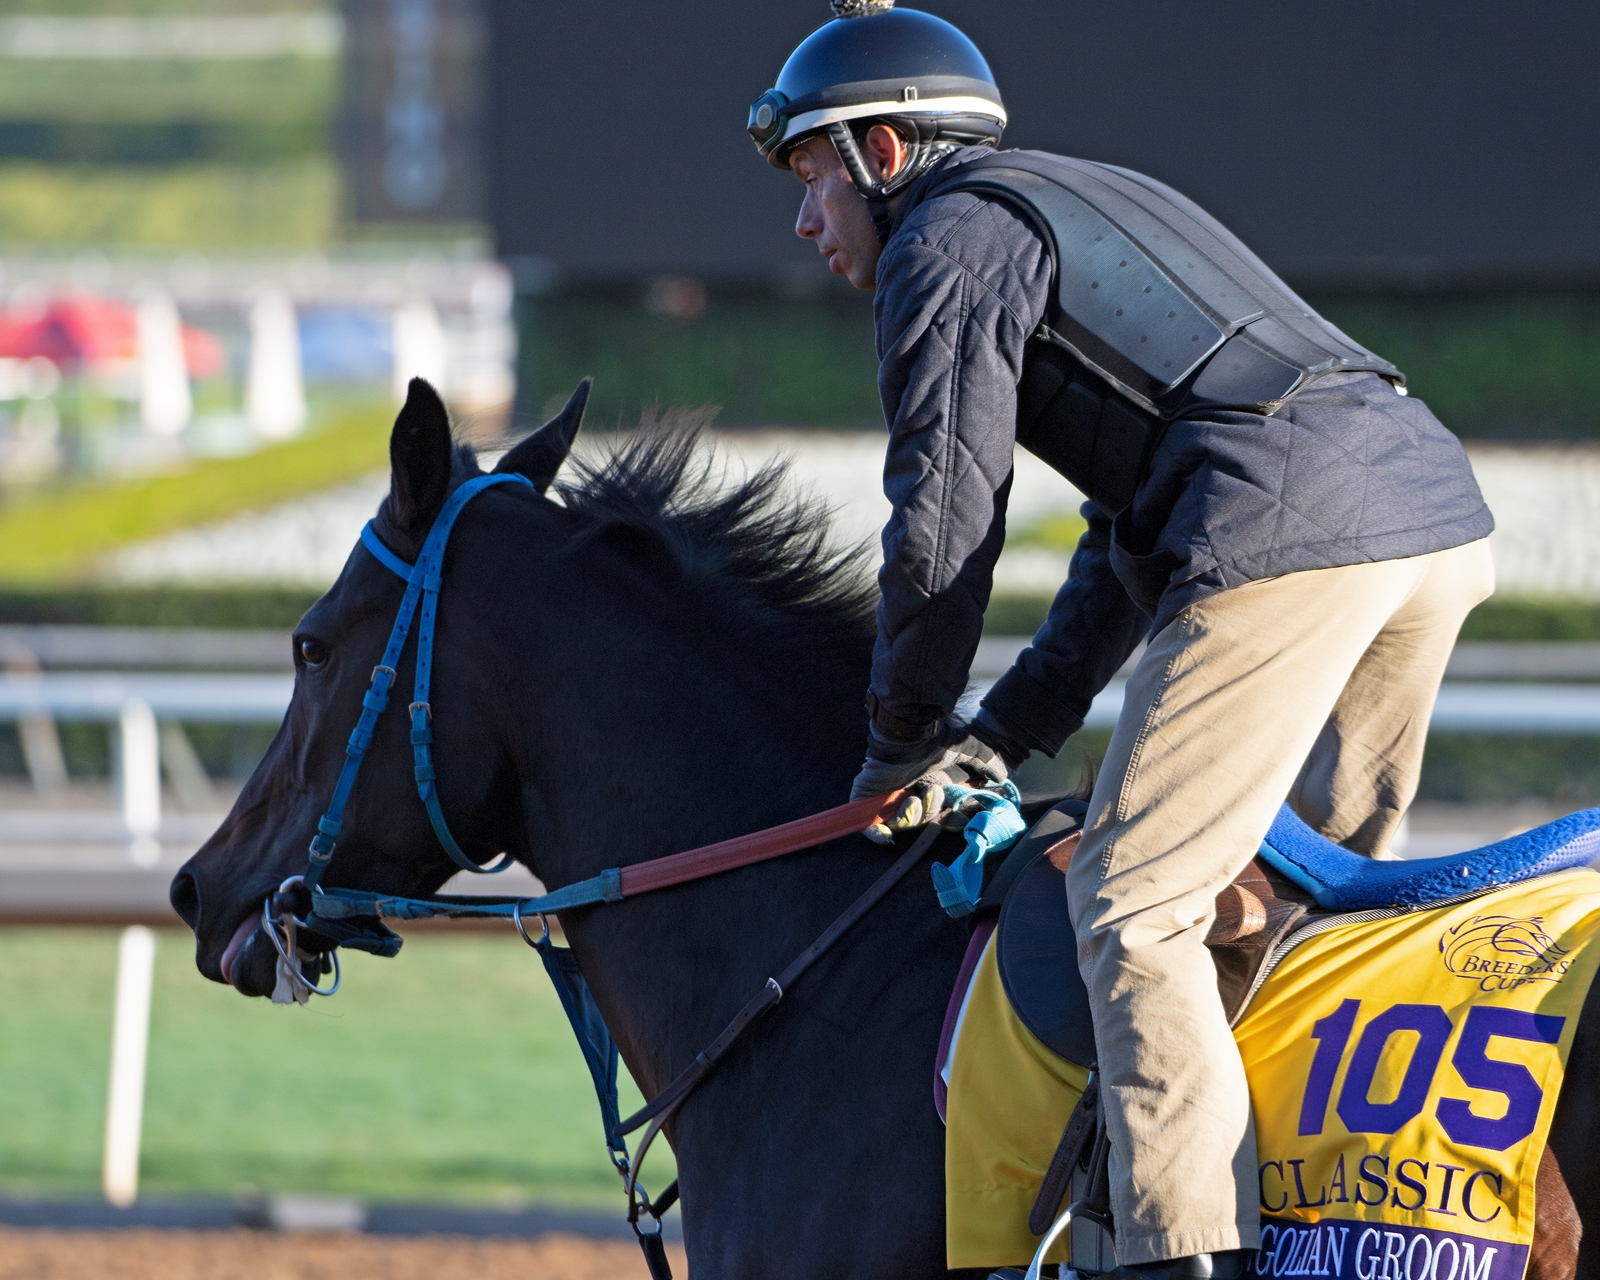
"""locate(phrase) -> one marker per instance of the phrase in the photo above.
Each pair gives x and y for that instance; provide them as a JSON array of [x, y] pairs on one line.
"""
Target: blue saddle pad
[[1343, 881], [1037, 951]]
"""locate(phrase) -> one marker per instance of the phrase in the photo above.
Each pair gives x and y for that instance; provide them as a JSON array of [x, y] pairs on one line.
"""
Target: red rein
[[774, 842]]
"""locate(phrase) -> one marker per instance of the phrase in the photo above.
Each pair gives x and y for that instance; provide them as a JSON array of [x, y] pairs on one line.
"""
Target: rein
[[617, 883], [302, 904]]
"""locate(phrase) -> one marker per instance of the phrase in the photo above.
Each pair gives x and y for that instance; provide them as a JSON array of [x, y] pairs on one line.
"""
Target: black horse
[[651, 664]]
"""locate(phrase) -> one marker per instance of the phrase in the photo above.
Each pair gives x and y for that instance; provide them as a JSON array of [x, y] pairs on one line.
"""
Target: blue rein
[[423, 580]]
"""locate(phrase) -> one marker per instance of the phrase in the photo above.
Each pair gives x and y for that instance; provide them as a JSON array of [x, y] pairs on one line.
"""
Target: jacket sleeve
[[951, 351], [1092, 627]]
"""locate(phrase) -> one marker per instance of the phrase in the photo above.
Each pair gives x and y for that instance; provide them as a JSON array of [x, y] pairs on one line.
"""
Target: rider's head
[[874, 99]]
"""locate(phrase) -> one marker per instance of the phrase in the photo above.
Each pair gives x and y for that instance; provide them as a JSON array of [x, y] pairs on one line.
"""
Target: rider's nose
[[807, 226], [185, 898]]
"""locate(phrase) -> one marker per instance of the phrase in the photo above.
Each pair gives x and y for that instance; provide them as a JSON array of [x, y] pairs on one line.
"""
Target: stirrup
[[1035, 1268], [1050, 1237]]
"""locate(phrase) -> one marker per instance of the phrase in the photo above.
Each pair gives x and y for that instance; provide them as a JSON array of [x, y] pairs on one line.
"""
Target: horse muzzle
[[249, 962]]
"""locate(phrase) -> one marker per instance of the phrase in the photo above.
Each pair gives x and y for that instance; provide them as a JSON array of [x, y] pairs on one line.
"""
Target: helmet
[[875, 64]]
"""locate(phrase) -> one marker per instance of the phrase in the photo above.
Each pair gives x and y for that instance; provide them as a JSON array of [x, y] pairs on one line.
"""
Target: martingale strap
[[661, 1108], [423, 581]]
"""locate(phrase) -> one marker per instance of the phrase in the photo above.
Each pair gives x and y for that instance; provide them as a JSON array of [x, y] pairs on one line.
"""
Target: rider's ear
[[540, 456], [886, 150], [419, 458]]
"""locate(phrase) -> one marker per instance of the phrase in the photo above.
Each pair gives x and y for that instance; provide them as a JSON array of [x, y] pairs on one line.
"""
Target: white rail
[[135, 703], [1477, 706], [228, 699], [1463, 707]]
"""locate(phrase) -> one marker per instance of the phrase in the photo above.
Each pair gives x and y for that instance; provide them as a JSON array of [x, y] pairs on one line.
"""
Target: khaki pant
[[1317, 688]]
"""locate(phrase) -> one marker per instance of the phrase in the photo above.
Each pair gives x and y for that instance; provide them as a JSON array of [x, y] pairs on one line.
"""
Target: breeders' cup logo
[[1501, 953]]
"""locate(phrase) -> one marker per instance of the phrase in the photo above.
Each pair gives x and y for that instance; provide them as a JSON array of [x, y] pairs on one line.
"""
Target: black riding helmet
[[875, 64]]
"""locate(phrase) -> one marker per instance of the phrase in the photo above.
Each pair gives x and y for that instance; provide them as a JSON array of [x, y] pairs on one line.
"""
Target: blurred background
[[230, 232]]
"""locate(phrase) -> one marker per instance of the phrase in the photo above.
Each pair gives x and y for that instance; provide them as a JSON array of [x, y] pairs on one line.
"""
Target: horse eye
[[313, 652]]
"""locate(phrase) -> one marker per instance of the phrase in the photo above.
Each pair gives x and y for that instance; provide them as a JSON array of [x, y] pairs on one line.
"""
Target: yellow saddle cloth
[[1404, 1074]]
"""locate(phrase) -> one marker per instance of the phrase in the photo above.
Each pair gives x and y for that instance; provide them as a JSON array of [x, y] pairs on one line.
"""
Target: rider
[[1297, 539]]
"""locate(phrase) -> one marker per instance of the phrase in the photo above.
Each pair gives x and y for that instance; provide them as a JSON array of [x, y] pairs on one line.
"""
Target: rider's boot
[[1232, 1265]]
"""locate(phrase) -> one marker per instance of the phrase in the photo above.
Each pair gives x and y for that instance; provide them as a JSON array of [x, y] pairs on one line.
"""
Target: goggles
[[769, 119]]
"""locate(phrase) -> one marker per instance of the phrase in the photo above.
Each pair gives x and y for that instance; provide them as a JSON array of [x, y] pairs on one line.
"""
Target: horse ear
[[540, 456], [419, 458]]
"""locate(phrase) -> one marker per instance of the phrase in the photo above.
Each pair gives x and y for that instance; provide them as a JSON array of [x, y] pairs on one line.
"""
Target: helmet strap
[[882, 219], [920, 156], [844, 142]]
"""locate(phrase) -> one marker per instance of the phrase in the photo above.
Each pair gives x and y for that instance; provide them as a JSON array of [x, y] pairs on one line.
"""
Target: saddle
[[1298, 877], [1297, 873]]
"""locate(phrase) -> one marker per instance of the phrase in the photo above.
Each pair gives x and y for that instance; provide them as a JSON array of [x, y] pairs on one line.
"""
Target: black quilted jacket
[[1349, 471]]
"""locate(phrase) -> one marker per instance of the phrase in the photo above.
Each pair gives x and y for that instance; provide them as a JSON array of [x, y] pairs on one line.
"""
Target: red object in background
[[203, 352], [71, 332], [82, 331]]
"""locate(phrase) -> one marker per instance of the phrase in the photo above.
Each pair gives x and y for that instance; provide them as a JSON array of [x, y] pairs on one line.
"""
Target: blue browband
[[422, 583]]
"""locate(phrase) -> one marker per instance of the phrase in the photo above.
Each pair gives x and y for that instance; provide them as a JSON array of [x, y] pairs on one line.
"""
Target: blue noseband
[[423, 580]]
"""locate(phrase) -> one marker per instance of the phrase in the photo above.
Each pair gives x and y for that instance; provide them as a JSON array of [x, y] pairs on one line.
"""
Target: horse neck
[[701, 741], [728, 736]]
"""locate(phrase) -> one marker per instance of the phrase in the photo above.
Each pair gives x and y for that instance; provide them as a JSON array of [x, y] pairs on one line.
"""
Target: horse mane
[[751, 539]]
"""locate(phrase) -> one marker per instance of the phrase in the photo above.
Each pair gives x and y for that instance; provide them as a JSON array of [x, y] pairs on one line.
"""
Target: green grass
[[446, 1073], [286, 203], [157, 606], [1458, 768], [55, 537], [155, 8], [1016, 613], [1492, 366], [139, 91], [1496, 366], [1020, 613], [167, 143], [1465, 768], [1525, 618], [1057, 533]]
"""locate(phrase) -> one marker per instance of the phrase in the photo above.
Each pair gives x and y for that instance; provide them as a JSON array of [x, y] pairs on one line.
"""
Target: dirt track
[[256, 1255]]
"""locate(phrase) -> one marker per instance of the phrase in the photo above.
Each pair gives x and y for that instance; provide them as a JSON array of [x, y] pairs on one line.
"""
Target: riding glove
[[948, 755], [948, 752]]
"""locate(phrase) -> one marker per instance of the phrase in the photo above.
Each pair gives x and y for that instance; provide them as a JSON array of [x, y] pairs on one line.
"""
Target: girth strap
[[1072, 1151]]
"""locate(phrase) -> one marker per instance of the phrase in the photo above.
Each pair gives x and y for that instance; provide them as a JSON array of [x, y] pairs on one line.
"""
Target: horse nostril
[[185, 898]]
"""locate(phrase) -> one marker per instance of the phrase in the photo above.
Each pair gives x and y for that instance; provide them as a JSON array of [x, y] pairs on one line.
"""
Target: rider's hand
[[947, 754]]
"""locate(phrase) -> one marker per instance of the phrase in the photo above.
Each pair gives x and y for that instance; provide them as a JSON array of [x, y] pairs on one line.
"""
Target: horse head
[[648, 662], [265, 837]]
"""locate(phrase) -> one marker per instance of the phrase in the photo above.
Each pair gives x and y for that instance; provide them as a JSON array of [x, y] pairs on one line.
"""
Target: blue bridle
[[422, 580]]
